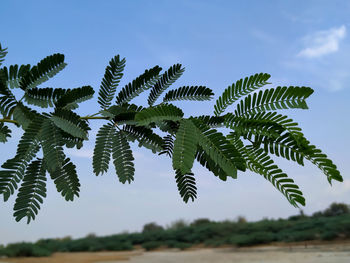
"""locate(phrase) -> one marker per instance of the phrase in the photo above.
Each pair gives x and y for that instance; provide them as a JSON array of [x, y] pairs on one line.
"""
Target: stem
[[9, 120]]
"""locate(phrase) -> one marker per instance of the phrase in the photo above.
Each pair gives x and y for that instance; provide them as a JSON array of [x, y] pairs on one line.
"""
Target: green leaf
[[158, 113], [103, 149], [259, 162], [27, 149], [110, 81], [144, 82], [204, 159], [31, 192], [185, 147], [14, 74], [222, 152], [71, 123], [7, 99], [24, 115], [51, 142], [66, 180], [167, 79], [3, 52], [123, 158], [239, 89], [145, 136], [44, 97], [274, 99], [5, 132], [199, 93], [45, 69], [186, 185], [74, 96], [168, 146]]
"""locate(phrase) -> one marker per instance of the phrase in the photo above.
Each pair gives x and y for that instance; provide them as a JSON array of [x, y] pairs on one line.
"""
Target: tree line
[[330, 224]]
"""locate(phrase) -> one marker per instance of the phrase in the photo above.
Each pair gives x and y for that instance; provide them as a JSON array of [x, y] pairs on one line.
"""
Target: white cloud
[[323, 42]]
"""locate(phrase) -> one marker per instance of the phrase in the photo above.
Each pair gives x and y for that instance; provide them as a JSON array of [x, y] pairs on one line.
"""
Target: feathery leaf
[[145, 136], [103, 149], [5, 132], [14, 74], [3, 52], [168, 146], [239, 89], [163, 112], [259, 162], [74, 96], [31, 192], [44, 97], [45, 69], [71, 123], [122, 158], [186, 185], [144, 82], [223, 153], [167, 79], [51, 142], [199, 93], [274, 99], [66, 180], [110, 81], [185, 147]]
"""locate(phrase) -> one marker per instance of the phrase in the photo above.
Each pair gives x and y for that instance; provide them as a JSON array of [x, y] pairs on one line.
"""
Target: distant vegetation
[[332, 223]]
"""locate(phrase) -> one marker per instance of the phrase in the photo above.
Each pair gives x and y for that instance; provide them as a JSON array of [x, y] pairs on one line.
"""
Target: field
[[303, 253]]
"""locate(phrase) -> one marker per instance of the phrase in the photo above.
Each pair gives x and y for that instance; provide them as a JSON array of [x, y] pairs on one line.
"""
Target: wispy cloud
[[322, 42]]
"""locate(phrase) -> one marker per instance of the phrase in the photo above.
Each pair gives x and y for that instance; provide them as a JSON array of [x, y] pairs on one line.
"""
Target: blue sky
[[297, 42]]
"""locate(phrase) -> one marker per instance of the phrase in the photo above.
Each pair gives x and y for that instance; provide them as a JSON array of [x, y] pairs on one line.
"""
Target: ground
[[301, 253]]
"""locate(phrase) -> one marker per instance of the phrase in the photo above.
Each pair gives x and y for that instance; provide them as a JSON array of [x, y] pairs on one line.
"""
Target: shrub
[[151, 245], [152, 227]]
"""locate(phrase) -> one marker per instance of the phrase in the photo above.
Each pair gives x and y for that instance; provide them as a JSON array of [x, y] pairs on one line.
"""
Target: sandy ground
[[334, 253]]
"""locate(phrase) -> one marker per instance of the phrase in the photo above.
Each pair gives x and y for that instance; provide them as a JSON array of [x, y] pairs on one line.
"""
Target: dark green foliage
[[259, 162], [274, 99], [122, 157], [51, 145], [163, 112], [145, 136], [151, 245], [253, 132], [66, 180], [3, 52], [31, 193], [219, 149], [189, 93], [71, 123], [24, 250], [110, 81], [168, 146], [5, 132], [45, 69], [185, 147], [72, 97], [167, 79], [152, 227], [140, 84], [103, 149], [43, 97], [186, 185], [239, 89], [13, 74]]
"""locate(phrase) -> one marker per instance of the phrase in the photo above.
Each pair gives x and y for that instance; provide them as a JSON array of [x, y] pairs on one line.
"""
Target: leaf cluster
[[256, 130]]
